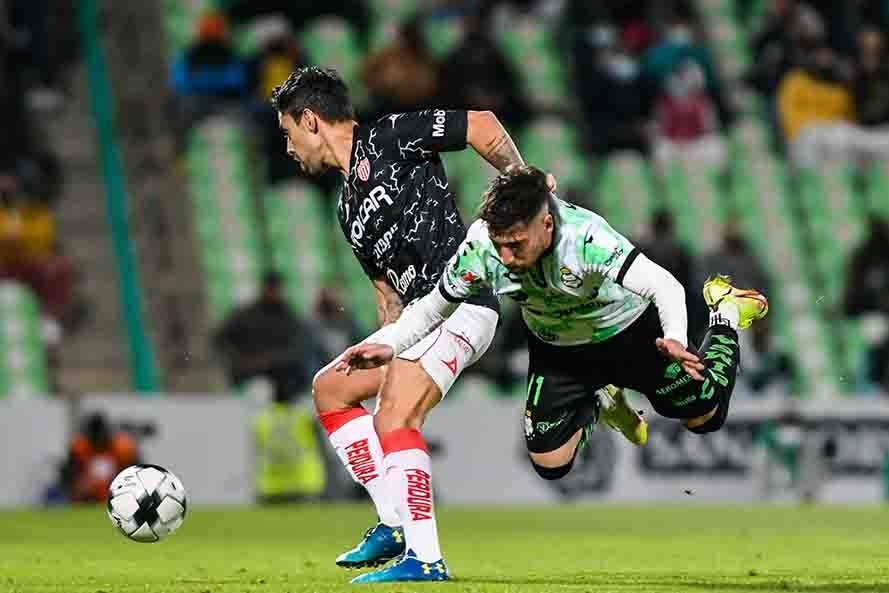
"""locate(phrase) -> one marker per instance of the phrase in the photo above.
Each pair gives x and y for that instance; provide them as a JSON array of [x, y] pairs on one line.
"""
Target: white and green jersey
[[573, 295]]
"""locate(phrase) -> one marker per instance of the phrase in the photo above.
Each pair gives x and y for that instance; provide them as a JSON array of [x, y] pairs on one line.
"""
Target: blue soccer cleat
[[409, 568], [380, 545]]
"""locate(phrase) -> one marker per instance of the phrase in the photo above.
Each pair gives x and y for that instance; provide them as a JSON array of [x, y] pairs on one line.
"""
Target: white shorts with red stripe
[[457, 343]]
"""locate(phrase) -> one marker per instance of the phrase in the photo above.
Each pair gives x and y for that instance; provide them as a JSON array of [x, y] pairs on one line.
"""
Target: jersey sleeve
[[464, 275], [604, 251], [421, 134]]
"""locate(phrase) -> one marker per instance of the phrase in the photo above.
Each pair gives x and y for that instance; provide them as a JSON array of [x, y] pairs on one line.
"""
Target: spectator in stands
[[867, 294], [302, 14], [871, 94], [816, 110], [476, 75], [267, 339], [209, 68], [679, 44], [402, 76], [339, 330], [735, 258], [686, 126], [97, 454], [772, 47], [664, 248], [615, 99], [278, 53], [29, 250]]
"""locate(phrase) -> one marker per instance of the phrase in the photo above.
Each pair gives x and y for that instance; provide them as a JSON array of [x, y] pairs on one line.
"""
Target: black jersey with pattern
[[396, 207]]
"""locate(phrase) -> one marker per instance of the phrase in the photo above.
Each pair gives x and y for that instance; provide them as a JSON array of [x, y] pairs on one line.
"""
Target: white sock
[[726, 314], [410, 476], [357, 445]]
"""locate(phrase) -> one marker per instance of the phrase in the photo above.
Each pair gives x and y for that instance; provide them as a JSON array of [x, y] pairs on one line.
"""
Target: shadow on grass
[[671, 583]]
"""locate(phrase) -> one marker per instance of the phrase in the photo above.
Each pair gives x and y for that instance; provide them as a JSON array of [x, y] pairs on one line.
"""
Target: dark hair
[[272, 279], [515, 196], [320, 89]]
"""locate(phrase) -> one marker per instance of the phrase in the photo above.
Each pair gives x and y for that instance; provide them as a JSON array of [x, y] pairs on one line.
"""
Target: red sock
[[351, 432]]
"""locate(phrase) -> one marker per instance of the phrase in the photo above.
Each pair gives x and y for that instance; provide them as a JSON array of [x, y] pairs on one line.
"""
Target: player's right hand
[[364, 356]]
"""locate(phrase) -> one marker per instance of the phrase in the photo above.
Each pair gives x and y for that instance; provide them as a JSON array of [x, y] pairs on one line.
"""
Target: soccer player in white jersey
[[597, 312]]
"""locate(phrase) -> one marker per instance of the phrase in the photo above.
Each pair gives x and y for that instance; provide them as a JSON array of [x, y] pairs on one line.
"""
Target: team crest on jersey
[[364, 170], [569, 278]]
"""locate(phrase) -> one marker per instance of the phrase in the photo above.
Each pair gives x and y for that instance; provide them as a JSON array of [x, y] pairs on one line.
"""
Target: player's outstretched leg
[[407, 396], [351, 432], [731, 309]]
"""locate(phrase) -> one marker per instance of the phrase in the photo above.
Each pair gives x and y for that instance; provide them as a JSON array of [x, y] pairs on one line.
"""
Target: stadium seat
[[551, 144], [529, 47], [23, 370], [624, 194], [224, 214], [294, 210]]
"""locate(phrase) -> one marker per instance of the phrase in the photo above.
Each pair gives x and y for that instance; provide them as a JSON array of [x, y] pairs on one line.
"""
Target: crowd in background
[[35, 53], [642, 79]]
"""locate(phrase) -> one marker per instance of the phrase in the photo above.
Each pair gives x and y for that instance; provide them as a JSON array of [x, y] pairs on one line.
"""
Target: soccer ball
[[146, 503]]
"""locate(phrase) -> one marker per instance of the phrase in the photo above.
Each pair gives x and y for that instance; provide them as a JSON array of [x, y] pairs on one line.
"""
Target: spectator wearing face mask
[[679, 45], [685, 121], [616, 100]]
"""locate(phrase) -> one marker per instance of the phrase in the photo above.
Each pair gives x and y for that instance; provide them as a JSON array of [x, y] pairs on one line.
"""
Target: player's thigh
[[560, 398], [332, 390], [406, 397], [457, 344]]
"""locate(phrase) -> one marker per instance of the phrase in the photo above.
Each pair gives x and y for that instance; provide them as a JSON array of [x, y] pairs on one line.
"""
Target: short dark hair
[[320, 89], [515, 196]]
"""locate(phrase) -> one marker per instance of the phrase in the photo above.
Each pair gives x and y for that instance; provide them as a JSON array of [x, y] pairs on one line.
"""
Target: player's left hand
[[691, 364], [364, 356]]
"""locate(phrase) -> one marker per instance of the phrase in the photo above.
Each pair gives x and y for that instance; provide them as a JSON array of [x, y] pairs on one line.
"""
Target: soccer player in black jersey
[[399, 215]]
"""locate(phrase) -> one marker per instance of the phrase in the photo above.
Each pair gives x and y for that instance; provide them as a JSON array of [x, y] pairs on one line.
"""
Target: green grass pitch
[[583, 549]]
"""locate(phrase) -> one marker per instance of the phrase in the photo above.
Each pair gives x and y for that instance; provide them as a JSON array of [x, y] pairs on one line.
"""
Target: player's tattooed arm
[[389, 305], [491, 141]]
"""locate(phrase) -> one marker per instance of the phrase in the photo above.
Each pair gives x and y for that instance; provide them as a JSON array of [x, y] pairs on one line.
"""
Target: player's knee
[[553, 473], [324, 391]]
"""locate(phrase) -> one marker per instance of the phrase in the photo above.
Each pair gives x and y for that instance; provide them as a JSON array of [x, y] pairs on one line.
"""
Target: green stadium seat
[[23, 370], [624, 194], [528, 45], [226, 222], [298, 234]]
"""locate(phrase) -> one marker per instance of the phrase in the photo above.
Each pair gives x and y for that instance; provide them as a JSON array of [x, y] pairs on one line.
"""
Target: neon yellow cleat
[[619, 415], [752, 304]]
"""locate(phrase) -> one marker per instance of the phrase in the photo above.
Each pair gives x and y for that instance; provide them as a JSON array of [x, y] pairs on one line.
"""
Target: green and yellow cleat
[[620, 415], [751, 304]]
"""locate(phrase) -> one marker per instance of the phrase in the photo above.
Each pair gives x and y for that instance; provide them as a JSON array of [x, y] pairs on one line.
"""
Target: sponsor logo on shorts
[[419, 494], [452, 365], [544, 427], [685, 380], [361, 462], [364, 170], [673, 370]]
